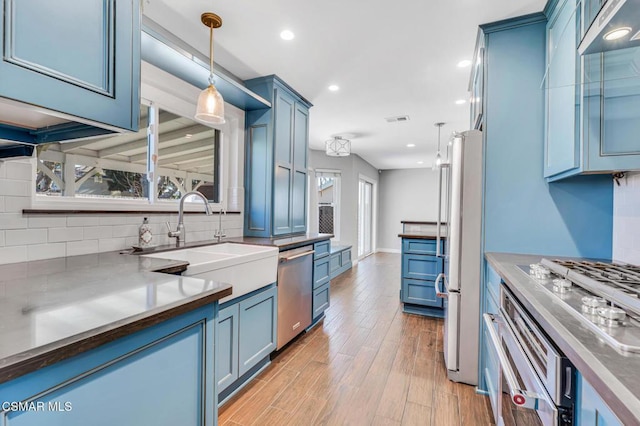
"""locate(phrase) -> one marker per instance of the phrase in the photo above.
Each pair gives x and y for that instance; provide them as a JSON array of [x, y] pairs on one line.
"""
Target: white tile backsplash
[[97, 232], [21, 237], [626, 219], [18, 188], [46, 251], [13, 254], [75, 248], [2, 238], [20, 170], [65, 234], [82, 220], [16, 204], [47, 221]]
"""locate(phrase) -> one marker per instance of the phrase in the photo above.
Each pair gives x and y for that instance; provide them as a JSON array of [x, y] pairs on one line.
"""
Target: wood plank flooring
[[368, 363]]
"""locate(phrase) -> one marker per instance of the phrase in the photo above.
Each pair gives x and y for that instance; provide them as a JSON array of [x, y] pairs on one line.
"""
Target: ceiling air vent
[[397, 118]]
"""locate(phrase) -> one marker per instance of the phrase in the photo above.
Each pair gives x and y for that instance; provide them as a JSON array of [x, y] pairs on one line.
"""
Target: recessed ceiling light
[[287, 35], [617, 33], [464, 64], [411, 145], [420, 162], [334, 87], [460, 102]]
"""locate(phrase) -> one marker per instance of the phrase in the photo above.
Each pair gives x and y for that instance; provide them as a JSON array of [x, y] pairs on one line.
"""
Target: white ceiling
[[389, 59]]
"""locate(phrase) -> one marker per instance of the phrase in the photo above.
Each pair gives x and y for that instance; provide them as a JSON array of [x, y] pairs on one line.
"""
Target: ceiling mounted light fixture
[[287, 35], [438, 156], [334, 87], [617, 33], [461, 102], [337, 147], [463, 64], [210, 108]]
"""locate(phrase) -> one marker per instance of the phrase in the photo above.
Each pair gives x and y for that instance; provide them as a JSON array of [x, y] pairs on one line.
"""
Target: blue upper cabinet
[[276, 161], [80, 58], [562, 103], [592, 102]]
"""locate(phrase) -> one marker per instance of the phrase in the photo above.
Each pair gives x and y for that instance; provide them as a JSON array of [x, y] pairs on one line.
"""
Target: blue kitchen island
[[106, 339]]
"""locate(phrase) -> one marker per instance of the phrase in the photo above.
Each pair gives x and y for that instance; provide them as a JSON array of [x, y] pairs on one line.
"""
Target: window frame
[[162, 91]]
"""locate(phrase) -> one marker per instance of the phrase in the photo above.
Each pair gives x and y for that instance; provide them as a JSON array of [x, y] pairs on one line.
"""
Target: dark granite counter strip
[[54, 309], [612, 373], [286, 243], [418, 222], [422, 235]]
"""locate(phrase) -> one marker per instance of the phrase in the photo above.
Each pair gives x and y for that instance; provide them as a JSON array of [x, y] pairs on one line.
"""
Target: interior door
[[365, 218]]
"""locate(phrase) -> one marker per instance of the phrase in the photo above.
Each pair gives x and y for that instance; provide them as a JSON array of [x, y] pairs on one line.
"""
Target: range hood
[[615, 15]]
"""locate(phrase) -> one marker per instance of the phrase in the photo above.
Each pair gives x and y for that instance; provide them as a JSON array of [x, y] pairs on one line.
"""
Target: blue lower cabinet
[[227, 349], [158, 376], [420, 293], [590, 408], [420, 268], [246, 337], [490, 371], [257, 328], [321, 300], [321, 249]]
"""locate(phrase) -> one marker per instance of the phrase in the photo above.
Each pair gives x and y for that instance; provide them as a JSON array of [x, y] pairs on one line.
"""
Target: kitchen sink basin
[[246, 267]]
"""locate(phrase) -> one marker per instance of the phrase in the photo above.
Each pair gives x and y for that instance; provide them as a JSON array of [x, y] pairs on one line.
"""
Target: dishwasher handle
[[284, 259]]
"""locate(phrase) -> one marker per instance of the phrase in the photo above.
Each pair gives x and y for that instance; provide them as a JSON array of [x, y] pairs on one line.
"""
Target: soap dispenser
[[145, 237]]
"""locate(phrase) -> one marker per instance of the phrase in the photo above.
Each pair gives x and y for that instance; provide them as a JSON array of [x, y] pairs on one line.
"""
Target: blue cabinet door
[[79, 58], [257, 328], [420, 292], [282, 200], [300, 148], [227, 348], [321, 300], [562, 118], [321, 249], [421, 267], [320, 272], [590, 408], [612, 110]]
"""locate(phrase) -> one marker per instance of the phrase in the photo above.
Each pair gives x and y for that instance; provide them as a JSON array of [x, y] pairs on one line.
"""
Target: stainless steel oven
[[536, 383]]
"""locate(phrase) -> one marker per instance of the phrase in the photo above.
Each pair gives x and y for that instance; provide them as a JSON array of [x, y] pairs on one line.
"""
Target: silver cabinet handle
[[296, 256], [440, 294], [520, 397]]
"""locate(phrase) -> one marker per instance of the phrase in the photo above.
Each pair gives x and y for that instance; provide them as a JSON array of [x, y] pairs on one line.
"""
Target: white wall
[[626, 219], [407, 194], [351, 167]]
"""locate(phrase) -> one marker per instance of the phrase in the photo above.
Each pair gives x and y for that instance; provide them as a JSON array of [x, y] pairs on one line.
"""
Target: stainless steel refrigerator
[[460, 197]]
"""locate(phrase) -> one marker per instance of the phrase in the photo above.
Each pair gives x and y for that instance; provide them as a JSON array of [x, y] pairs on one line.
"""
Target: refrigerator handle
[[439, 221], [440, 294]]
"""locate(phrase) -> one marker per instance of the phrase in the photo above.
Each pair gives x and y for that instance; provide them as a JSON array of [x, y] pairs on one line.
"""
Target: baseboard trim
[[388, 250]]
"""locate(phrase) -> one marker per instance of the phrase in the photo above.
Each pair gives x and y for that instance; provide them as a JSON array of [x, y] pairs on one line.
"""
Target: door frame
[[374, 213]]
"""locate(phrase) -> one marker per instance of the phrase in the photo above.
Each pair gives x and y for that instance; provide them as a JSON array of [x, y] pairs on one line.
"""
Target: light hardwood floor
[[367, 364]]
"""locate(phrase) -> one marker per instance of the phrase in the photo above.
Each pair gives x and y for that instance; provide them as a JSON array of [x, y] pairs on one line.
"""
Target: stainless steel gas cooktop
[[604, 296]]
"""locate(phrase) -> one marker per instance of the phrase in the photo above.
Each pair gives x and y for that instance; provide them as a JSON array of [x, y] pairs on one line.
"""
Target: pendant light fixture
[[210, 108], [337, 147], [438, 156]]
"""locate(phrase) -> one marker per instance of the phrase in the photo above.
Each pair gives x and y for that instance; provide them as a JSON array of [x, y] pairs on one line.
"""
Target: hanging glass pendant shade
[[210, 108]]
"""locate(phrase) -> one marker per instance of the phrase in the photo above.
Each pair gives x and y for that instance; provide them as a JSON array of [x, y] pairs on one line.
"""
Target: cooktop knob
[[591, 304], [561, 285], [611, 316]]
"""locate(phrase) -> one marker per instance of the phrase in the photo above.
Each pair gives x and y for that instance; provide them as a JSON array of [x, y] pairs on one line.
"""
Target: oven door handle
[[520, 397]]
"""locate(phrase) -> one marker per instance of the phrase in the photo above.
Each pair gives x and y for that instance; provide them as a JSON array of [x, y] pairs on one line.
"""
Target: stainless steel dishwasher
[[295, 288]]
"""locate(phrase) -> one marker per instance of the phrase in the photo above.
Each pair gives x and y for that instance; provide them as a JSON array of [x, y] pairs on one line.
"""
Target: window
[[328, 193], [117, 167]]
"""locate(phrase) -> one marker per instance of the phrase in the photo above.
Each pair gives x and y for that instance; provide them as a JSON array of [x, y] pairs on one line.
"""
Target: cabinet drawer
[[321, 249], [320, 300], [320, 272], [420, 292], [421, 267], [417, 246]]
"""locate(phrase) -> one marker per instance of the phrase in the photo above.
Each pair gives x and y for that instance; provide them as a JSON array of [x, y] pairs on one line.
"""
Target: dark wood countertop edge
[[27, 362], [418, 222], [297, 244], [140, 212], [420, 236], [613, 400]]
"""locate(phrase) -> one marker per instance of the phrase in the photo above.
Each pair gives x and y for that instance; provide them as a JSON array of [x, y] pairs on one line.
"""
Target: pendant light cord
[[211, 55]]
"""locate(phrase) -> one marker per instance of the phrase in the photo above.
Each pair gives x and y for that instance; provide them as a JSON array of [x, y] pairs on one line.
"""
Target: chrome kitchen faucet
[[179, 234]]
